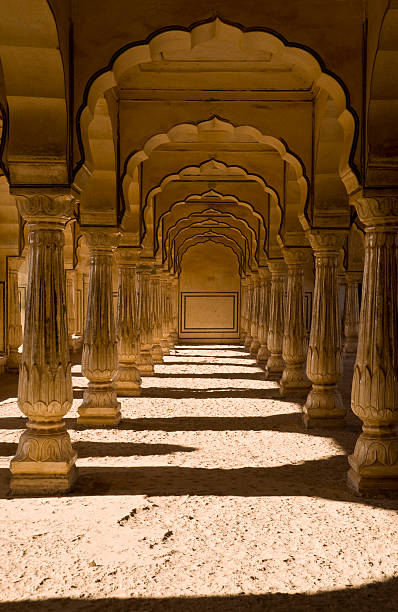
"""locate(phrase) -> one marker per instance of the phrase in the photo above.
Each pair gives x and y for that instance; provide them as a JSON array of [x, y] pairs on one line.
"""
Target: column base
[[100, 407], [44, 463], [157, 354], [145, 364], [350, 347], [374, 465], [275, 366], [324, 408], [248, 342], [128, 383], [165, 347], [294, 381], [170, 341], [263, 356], [254, 348], [174, 337], [13, 362]]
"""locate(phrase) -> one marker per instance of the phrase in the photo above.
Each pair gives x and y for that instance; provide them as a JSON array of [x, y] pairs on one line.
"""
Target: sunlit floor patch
[[210, 487]]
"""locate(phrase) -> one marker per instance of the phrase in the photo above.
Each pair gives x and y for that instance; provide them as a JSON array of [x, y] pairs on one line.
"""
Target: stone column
[[45, 461], [14, 315], [99, 359], [255, 344], [249, 303], [275, 363], [374, 463], [174, 331], [351, 313], [324, 406], [71, 305], [157, 314], [145, 361], [243, 320], [170, 341], [128, 382], [294, 348], [263, 352], [164, 289]]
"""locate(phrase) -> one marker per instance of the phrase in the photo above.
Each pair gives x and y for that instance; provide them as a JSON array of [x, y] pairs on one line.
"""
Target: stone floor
[[210, 495]]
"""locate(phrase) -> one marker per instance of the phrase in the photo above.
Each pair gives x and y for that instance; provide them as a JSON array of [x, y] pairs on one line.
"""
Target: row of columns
[[45, 460], [114, 355]]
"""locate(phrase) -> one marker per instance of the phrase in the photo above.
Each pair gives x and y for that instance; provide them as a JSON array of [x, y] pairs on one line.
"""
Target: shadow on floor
[[322, 478], [369, 598], [223, 375], [111, 449]]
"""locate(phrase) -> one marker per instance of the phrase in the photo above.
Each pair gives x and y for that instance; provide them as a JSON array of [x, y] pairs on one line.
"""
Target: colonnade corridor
[[210, 489]]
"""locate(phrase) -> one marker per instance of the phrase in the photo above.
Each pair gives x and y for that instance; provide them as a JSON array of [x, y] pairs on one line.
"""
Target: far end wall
[[209, 294]]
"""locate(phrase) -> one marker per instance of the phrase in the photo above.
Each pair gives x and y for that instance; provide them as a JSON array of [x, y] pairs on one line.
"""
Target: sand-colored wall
[[209, 294]]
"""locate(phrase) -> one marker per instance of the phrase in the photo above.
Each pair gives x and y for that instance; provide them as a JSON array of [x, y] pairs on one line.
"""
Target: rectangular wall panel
[[209, 314]]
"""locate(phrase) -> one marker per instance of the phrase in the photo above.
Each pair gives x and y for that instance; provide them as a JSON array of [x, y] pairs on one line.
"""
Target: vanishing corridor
[[210, 487]]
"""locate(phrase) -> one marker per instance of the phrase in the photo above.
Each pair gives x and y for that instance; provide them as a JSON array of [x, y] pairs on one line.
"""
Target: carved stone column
[[71, 305], [374, 463], [128, 382], [14, 315], [324, 406], [157, 314], [294, 349], [243, 319], [145, 361], [275, 363], [164, 343], [249, 303], [263, 352], [255, 344], [351, 313], [45, 461], [174, 294], [170, 341], [99, 359]]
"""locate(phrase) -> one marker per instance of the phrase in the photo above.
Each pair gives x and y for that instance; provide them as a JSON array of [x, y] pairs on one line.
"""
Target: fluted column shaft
[[243, 322], [174, 331], [71, 304], [99, 358], [249, 309], [45, 461], [265, 290], [164, 343], [128, 381], [255, 344], [294, 380], [324, 406], [145, 361], [14, 315], [157, 314], [374, 463], [275, 363], [351, 313]]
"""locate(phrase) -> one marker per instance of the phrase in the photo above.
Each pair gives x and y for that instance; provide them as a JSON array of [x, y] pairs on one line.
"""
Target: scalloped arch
[[251, 40]]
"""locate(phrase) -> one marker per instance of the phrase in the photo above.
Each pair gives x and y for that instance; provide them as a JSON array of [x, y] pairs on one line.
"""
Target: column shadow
[[368, 598]]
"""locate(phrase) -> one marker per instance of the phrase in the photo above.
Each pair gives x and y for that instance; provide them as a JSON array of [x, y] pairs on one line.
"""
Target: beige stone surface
[[209, 489]]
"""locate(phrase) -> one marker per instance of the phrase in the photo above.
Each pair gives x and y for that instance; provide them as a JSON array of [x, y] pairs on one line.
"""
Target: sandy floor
[[209, 496]]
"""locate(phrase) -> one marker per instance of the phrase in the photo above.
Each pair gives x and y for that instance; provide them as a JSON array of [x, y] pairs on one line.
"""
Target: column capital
[[277, 266], [376, 210], [296, 255], [101, 238], [353, 277], [46, 208], [127, 256], [15, 263], [327, 240]]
